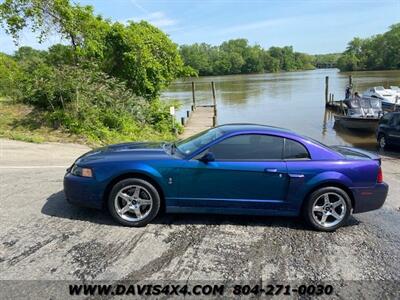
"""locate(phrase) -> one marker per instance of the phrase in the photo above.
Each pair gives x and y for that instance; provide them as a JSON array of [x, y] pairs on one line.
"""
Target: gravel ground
[[45, 238]]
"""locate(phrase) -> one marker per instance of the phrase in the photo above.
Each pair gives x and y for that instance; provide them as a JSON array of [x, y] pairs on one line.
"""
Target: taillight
[[379, 178]]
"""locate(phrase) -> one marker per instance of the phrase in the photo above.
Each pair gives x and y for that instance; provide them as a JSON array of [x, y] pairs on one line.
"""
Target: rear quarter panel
[[349, 173]]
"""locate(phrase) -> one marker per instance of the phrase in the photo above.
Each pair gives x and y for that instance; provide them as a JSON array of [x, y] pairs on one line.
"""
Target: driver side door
[[248, 173]]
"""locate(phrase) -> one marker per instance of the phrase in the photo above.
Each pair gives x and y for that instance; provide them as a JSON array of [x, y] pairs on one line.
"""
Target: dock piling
[[214, 103], [326, 89], [193, 97]]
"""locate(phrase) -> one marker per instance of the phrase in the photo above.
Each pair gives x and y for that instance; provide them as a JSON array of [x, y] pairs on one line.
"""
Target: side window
[[385, 119], [249, 147], [295, 150], [394, 121]]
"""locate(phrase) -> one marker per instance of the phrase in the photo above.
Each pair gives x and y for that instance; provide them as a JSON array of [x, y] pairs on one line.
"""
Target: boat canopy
[[367, 107]]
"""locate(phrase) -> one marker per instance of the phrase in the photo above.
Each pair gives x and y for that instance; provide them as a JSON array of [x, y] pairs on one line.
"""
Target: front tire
[[327, 208], [133, 202]]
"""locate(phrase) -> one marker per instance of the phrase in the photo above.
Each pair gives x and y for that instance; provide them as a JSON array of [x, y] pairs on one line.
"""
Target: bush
[[10, 74], [90, 103]]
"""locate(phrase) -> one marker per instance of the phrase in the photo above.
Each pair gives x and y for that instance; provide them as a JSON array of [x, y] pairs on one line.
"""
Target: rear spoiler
[[356, 152]]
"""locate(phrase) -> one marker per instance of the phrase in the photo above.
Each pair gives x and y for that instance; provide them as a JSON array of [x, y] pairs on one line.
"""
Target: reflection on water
[[293, 100]]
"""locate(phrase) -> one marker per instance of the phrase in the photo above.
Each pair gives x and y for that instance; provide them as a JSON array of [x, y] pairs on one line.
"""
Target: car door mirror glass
[[207, 157]]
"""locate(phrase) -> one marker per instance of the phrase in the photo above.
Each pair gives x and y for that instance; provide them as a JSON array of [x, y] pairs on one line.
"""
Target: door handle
[[271, 170], [296, 175]]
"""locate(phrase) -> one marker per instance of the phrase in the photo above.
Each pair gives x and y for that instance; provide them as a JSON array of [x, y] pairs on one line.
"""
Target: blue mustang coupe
[[230, 169]]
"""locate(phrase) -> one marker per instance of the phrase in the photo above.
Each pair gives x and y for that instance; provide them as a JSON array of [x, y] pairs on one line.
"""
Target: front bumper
[[371, 198], [83, 191]]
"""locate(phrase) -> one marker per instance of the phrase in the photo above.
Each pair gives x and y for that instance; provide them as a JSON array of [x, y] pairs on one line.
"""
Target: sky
[[313, 26]]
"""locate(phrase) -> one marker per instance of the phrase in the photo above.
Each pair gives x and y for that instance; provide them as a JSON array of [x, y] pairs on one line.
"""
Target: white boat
[[389, 97], [396, 90]]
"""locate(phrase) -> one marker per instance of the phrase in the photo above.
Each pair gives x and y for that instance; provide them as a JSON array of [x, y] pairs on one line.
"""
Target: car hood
[[126, 151]]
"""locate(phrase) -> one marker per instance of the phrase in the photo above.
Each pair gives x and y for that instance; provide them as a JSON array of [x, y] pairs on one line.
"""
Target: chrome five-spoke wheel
[[133, 203], [329, 209]]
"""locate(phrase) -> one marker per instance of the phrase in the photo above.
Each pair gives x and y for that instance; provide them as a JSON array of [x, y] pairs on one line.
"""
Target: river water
[[293, 100]]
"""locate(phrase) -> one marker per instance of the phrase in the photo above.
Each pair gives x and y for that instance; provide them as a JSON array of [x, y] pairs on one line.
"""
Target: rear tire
[[327, 209], [133, 202]]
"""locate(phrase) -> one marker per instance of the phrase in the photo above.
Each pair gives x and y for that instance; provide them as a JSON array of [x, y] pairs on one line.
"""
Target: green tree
[[391, 45], [142, 55], [348, 62], [10, 75], [379, 52], [72, 22], [198, 56], [29, 54], [59, 55], [271, 64], [236, 62], [253, 57]]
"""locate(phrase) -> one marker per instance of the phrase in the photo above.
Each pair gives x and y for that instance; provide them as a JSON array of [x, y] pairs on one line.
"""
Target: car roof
[[238, 127], [316, 149]]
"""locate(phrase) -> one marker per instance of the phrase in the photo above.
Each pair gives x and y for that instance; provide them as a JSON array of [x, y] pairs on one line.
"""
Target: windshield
[[375, 103], [191, 144]]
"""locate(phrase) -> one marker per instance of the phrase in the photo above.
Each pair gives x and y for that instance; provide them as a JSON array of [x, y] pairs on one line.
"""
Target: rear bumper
[[83, 191], [371, 198]]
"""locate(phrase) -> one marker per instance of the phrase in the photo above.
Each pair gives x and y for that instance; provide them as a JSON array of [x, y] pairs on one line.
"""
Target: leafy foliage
[[73, 22], [142, 55], [91, 103], [10, 74], [380, 52], [238, 57], [138, 53], [326, 60], [104, 84]]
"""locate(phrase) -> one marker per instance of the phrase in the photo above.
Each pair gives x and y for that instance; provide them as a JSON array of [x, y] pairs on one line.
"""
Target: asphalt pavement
[[45, 238]]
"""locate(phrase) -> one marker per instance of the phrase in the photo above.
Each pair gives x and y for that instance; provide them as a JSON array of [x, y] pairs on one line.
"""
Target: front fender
[[106, 174]]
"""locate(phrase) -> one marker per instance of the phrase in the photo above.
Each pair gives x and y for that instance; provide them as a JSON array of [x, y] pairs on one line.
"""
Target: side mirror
[[207, 157]]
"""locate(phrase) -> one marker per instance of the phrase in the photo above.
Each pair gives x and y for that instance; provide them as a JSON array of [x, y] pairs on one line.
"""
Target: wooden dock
[[201, 117]]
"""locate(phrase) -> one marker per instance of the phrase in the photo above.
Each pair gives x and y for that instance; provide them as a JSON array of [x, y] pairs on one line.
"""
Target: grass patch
[[24, 123], [21, 122]]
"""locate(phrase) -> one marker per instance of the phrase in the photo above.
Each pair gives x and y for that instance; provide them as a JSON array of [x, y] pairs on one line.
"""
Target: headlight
[[83, 172]]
